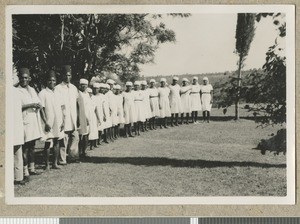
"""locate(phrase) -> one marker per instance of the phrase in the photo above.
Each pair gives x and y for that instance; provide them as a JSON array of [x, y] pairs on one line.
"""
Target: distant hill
[[213, 77]]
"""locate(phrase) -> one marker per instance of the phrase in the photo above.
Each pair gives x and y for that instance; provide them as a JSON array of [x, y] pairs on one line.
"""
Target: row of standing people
[[67, 119]]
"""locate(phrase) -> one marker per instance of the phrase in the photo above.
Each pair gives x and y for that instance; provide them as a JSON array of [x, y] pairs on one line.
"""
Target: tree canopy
[[91, 43], [264, 89]]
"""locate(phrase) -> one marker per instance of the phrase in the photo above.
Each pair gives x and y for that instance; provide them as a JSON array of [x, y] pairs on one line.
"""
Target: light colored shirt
[[69, 94]]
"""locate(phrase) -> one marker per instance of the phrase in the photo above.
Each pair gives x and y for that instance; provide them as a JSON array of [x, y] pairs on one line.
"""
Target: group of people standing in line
[[69, 120]]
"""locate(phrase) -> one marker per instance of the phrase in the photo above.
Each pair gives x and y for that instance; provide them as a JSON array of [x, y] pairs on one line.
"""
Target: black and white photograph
[[177, 104]]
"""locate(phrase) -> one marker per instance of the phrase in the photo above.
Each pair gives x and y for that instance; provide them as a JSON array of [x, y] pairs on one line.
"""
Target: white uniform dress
[[52, 102], [93, 135], [175, 101], [164, 102], [113, 107], [153, 92], [146, 101], [119, 100], [84, 102], [195, 98], [206, 96], [186, 99], [106, 112], [18, 128], [129, 108], [139, 105], [31, 117], [98, 101], [69, 94]]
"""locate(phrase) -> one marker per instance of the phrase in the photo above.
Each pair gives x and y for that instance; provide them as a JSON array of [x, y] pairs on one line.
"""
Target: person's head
[[163, 82], [117, 89], [205, 80], [66, 73], [137, 85], [195, 80], [83, 85], [152, 83], [51, 79], [174, 81], [184, 81], [102, 88], [143, 85], [96, 88], [111, 83], [128, 86], [107, 88], [24, 77], [90, 91]]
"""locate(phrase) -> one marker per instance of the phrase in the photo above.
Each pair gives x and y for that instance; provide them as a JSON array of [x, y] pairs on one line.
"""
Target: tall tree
[[91, 43], [244, 35]]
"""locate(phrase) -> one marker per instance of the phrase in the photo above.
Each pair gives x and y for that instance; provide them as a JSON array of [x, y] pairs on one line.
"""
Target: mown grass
[[215, 159]]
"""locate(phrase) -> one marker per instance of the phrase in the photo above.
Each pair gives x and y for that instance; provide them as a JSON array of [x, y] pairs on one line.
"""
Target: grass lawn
[[215, 159]]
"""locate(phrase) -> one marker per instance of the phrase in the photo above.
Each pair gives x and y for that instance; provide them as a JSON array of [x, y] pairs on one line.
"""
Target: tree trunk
[[237, 112]]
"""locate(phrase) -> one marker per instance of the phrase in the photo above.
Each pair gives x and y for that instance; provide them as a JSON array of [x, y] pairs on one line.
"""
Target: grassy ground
[[215, 159]]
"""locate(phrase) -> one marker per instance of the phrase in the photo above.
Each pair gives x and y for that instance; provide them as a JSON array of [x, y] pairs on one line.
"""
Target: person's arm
[[63, 110], [160, 107], [183, 92], [97, 115], [212, 95], [78, 113], [31, 105], [43, 116], [201, 96]]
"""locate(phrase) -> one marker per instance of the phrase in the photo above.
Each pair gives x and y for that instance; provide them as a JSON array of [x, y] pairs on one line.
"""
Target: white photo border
[[289, 10]]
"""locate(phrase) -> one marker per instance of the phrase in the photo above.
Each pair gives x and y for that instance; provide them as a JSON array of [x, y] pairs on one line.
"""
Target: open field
[[215, 159]]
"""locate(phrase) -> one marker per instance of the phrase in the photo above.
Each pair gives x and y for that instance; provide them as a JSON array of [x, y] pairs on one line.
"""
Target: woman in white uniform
[[146, 102], [96, 99], [206, 92], [53, 108], [195, 99], [129, 109], [113, 108], [139, 107], [164, 104], [84, 102], [94, 121], [175, 101], [154, 104], [185, 100], [100, 110], [120, 110], [31, 107], [107, 114]]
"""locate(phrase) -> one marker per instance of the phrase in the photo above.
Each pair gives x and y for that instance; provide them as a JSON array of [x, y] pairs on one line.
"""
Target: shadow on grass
[[161, 161]]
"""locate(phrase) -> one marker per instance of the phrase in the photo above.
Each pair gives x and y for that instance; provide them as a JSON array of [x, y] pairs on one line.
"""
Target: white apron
[[153, 93], [119, 99], [146, 101], [106, 112], [31, 117], [206, 97], [52, 102], [185, 99], [195, 98], [164, 102], [139, 106], [129, 108], [69, 94], [175, 101]]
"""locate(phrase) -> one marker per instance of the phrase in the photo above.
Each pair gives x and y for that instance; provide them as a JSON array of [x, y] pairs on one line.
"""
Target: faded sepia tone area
[[141, 210]]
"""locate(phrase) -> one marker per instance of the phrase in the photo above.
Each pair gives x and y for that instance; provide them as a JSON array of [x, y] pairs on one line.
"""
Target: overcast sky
[[206, 43]]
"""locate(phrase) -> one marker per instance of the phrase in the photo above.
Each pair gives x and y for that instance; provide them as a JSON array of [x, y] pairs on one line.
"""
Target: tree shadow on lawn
[[161, 161]]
